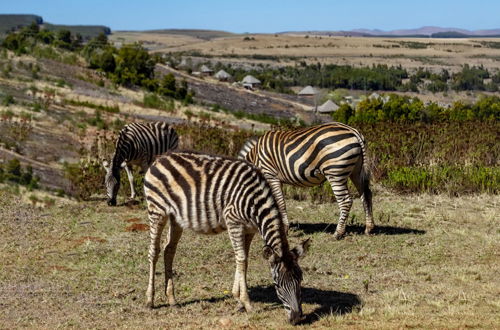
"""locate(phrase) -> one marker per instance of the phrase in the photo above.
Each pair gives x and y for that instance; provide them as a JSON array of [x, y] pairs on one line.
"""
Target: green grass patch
[[152, 100], [111, 109], [452, 180]]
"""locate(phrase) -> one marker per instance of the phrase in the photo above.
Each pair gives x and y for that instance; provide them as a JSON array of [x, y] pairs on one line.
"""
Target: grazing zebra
[[307, 157], [137, 144], [209, 194]]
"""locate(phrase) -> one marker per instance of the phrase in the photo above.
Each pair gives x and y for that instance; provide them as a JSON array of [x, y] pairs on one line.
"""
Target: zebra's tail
[[365, 175]]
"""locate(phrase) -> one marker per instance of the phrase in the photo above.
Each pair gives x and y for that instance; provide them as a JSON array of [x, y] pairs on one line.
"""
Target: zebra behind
[[307, 157], [137, 144], [210, 194]]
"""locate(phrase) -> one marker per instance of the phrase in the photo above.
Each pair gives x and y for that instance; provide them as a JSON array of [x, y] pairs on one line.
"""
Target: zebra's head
[[287, 277], [112, 183]]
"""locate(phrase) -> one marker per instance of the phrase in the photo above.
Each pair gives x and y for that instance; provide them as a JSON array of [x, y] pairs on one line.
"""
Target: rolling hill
[[9, 23]]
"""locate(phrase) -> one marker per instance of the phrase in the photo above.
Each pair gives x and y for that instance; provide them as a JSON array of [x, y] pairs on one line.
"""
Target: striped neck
[[272, 230]]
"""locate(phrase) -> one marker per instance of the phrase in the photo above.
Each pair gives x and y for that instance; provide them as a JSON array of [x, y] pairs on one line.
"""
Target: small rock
[[225, 322]]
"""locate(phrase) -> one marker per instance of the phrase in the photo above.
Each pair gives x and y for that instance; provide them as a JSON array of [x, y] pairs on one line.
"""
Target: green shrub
[[97, 121], [87, 179], [452, 180], [13, 172], [111, 109], [152, 100], [8, 100], [212, 139]]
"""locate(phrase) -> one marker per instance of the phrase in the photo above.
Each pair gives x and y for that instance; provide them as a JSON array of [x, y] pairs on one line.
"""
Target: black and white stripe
[[137, 144], [209, 194], [308, 156]]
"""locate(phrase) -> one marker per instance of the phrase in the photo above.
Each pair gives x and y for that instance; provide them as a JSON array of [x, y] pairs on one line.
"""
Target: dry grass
[[356, 51], [153, 40], [432, 263]]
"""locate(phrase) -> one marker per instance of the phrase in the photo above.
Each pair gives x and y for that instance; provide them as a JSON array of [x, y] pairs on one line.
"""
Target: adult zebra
[[308, 156], [209, 194], [137, 144]]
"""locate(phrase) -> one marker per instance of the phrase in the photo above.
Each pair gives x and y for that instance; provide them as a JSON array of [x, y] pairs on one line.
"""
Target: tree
[[63, 39], [343, 113], [133, 65], [168, 85]]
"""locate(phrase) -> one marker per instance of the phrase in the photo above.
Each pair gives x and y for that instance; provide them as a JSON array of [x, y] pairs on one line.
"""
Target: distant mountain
[[426, 31]]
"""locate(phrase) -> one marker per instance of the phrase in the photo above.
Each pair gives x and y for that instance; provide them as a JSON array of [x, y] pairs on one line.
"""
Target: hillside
[[86, 31], [54, 108], [9, 23]]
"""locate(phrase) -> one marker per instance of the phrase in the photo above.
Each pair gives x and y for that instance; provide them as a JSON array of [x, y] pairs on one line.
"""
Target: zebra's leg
[[130, 180], [144, 167], [278, 194], [236, 286], [362, 183], [238, 241], [174, 235], [344, 200], [156, 224]]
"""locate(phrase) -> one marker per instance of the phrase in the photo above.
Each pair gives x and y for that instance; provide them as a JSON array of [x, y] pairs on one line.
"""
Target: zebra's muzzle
[[295, 317]]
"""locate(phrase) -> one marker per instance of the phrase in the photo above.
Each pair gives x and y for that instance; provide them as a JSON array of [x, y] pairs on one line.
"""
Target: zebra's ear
[[300, 250], [267, 252], [270, 255]]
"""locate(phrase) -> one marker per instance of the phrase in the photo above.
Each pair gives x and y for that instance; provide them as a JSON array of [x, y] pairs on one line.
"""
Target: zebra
[[137, 144], [307, 157], [209, 194]]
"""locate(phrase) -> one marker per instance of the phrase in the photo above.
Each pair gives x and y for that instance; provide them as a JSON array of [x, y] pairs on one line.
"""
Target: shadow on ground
[[330, 302], [310, 228], [195, 301]]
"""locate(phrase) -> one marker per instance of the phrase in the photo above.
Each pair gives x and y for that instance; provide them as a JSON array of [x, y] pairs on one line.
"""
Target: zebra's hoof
[[368, 230], [150, 305], [240, 308], [338, 236]]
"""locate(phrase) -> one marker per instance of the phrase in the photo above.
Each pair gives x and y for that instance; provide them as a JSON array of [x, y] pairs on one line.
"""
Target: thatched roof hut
[[327, 107], [222, 75], [250, 82], [308, 91], [206, 70]]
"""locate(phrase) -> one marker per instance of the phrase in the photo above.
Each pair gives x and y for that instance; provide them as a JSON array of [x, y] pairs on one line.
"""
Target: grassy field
[[410, 53], [432, 263]]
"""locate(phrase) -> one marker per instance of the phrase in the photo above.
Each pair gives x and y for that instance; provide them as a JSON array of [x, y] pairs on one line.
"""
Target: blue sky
[[263, 15]]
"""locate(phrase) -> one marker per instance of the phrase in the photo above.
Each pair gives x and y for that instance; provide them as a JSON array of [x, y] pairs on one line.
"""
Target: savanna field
[[68, 260], [431, 263]]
